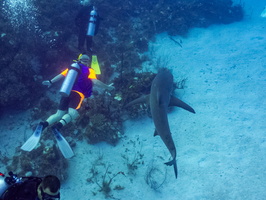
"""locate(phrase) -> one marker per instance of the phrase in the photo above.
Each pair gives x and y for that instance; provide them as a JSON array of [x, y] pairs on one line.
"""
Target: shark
[[159, 99]]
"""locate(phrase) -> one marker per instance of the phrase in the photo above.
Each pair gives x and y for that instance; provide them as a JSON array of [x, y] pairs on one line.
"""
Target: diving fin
[[95, 64], [63, 144], [32, 142]]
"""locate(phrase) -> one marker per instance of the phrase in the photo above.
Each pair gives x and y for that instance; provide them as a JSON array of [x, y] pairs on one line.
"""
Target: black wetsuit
[[26, 190], [82, 21]]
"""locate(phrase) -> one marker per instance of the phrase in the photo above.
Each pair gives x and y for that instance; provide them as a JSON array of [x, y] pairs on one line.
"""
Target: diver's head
[[85, 59], [49, 188]]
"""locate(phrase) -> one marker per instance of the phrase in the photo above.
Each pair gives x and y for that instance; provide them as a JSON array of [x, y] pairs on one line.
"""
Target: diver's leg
[[89, 43], [62, 110], [56, 117], [75, 101], [81, 38], [68, 117]]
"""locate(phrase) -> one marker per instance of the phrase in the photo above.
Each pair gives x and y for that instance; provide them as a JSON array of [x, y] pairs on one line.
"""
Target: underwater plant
[[154, 177], [103, 180], [134, 161], [105, 184]]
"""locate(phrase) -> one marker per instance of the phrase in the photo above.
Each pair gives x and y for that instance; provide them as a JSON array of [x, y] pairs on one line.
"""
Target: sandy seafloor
[[221, 150]]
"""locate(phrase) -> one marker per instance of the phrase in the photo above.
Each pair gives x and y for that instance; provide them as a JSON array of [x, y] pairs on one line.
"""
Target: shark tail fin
[[173, 162]]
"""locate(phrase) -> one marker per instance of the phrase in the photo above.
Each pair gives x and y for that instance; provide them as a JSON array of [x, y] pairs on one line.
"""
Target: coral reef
[[38, 162], [99, 122], [102, 116], [44, 43], [43, 108], [131, 86], [45, 39], [31, 47], [128, 26]]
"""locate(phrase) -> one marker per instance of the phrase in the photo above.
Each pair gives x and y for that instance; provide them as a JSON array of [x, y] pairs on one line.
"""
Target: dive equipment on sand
[[70, 79], [32, 142], [92, 22], [63, 144]]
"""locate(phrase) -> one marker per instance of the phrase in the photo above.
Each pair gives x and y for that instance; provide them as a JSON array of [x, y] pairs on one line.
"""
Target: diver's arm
[[57, 78], [53, 80], [102, 85]]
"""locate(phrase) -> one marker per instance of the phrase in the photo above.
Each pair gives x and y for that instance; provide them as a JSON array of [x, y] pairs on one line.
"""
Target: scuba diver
[[29, 188], [87, 21], [79, 80]]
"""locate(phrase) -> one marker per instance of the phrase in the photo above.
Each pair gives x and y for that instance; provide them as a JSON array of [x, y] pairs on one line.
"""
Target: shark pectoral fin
[[155, 133], [142, 99], [177, 102], [147, 99]]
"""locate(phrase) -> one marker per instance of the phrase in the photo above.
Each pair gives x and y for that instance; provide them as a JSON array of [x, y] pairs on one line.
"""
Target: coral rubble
[[38, 162]]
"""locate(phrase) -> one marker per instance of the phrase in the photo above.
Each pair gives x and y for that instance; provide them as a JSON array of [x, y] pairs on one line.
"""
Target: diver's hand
[[47, 82]]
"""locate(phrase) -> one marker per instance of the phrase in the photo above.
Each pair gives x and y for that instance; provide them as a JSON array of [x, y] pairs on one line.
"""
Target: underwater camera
[[6, 182]]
